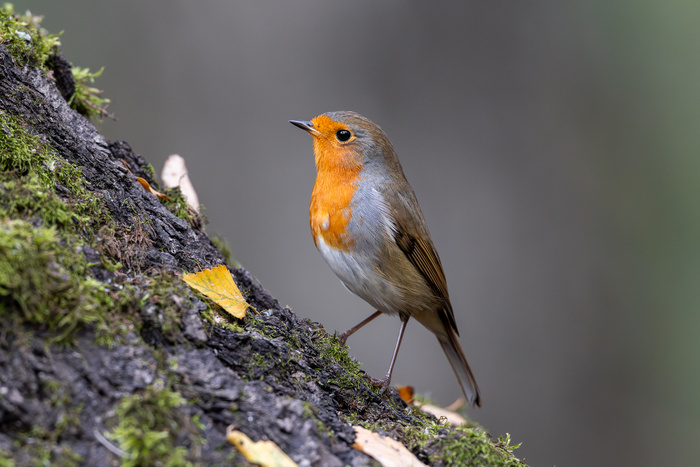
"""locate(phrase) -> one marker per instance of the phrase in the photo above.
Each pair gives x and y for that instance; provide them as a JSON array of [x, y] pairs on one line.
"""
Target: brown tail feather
[[450, 345]]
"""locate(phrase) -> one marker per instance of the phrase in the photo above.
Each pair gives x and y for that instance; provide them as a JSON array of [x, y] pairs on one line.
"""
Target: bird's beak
[[305, 125]]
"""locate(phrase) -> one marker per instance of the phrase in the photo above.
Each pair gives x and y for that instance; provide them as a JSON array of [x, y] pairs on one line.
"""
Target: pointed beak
[[305, 125]]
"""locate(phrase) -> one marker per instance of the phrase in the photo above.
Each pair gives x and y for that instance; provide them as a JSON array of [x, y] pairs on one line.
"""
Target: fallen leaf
[[264, 453], [147, 185], [149, 188], [217, 284], [406, 393], [387, 451], [456, 405], [174, 174], [452, 418]]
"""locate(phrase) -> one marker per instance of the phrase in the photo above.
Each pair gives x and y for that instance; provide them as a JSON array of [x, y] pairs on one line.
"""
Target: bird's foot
[[343, 337], [382, 384]]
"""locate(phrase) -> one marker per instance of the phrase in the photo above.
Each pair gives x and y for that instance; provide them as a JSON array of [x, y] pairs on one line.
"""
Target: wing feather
[[422, 254]]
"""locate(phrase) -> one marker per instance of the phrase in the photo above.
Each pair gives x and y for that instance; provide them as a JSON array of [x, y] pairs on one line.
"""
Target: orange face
[[338, 168], [329, 150]]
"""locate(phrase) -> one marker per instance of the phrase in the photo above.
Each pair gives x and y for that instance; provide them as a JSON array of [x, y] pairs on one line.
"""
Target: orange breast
[[336, 178]]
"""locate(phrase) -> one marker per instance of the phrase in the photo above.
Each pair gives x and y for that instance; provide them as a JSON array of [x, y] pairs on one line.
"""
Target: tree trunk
[[106, 357]]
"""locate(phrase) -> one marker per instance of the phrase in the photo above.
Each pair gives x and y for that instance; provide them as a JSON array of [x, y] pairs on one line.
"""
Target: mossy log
[[107, 358]]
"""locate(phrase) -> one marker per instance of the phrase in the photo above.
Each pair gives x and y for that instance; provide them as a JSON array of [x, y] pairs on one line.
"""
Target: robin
[[367, 224]]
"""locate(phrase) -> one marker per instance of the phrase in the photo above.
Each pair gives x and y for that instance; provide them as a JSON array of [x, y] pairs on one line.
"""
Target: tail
[[453, 351]]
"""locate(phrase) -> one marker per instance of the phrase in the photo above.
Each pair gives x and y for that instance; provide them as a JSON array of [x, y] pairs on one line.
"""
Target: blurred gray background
[[555, 150]]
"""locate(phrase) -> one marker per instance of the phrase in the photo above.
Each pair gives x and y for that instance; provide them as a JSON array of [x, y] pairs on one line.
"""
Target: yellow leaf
[[387, 451], [217, 284], [264, 453]]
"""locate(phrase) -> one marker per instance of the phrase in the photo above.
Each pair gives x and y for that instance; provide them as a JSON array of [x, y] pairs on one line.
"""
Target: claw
[[382, 384]]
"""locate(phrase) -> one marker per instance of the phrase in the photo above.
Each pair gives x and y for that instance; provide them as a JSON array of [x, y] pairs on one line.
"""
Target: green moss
[[167, 312], [148, 424], [258, 366], [463, 446], [150, 171], [252, 322], [213, 316], [31, 45], [42, 447], [31, 178], [6, 459], [44, 280], [331, 349], [43, 274], [24, 37], [177, 204], [473, 446], [87, 100]]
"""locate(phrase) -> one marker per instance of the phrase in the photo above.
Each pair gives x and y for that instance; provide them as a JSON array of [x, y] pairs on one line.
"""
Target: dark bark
[[293, 396]]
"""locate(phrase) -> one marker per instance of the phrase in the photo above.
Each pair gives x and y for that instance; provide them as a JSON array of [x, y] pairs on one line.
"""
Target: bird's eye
[[343, 135]]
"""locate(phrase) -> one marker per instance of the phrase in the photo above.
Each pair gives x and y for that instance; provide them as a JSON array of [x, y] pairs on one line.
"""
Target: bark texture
[[272, 375]]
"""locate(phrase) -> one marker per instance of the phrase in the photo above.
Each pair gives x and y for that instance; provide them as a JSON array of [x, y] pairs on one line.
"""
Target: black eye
[[343, 135]]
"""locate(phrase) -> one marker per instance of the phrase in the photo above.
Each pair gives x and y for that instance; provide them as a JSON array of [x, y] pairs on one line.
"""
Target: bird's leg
[[344, 336], [384, 382]]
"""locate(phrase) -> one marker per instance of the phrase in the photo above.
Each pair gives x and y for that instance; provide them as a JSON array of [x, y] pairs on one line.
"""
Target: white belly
[[361, 276]]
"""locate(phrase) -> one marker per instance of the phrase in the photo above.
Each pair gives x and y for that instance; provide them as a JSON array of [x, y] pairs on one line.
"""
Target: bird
[[368, 226]]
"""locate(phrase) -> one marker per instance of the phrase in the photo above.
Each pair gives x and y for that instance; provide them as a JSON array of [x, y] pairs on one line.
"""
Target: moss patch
[[177, 204], [43, 271], [35, 183], [440, 445], [44, 279], [334, 352], [88, 100], [161, 307], [149, 425], [24, 37], [32, 45]]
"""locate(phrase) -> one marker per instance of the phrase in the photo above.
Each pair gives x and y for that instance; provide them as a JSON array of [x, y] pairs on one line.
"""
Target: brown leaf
[[147, 185], [406, 393]]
